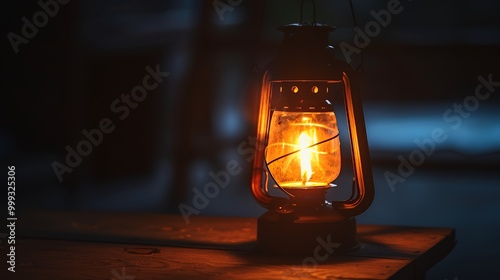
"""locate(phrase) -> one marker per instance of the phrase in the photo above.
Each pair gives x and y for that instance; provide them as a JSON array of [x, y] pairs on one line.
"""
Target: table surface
[[74, 245]]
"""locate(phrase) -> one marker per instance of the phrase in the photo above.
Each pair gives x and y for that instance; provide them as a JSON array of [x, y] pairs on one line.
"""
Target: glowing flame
[[305, 157]]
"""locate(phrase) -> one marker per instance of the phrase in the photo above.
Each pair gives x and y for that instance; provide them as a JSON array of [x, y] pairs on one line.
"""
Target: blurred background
[[87, 54]]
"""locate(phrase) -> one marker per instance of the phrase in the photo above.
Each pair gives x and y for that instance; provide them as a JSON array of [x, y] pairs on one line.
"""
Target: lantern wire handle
[[278, 185], [353, 189], [299, 150], [302, 11], [289, 154], [355, 23]]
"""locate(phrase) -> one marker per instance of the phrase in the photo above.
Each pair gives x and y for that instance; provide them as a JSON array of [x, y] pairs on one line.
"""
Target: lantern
[[298, 146]]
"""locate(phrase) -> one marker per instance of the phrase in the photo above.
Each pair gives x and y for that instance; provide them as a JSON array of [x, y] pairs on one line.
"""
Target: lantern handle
[[302, 11], [355, 23], [289, 154], [363, 178]]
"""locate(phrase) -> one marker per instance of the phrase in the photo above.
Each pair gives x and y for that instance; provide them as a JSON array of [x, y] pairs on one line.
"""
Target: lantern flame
[[303, 149], [305, 157]]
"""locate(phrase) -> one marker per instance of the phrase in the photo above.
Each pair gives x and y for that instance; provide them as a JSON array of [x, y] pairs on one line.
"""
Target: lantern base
[[319, 235]]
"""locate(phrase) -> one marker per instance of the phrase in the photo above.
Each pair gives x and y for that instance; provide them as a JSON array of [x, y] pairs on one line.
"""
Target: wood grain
[[55, 245], [48, 259]]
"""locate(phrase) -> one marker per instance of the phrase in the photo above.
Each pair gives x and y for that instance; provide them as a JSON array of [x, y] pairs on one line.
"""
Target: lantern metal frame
[[294, 224]]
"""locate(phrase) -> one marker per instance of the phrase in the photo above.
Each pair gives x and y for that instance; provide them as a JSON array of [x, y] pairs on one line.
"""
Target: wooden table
[[121, 246]]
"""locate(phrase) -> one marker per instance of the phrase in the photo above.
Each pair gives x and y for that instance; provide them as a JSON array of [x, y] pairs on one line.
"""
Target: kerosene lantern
[[298, 146]]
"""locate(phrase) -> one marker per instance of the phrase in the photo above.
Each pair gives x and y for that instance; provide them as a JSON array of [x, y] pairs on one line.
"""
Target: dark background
[[426, 60]]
